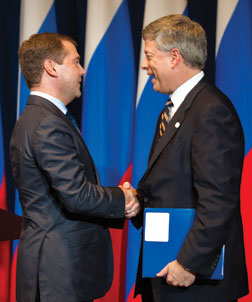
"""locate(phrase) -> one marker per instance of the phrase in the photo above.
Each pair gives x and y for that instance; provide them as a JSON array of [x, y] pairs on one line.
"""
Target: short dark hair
[[33, 52]]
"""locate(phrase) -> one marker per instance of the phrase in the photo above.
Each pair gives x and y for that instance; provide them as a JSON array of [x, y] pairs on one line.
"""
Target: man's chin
[[156, 88], [78, 94]]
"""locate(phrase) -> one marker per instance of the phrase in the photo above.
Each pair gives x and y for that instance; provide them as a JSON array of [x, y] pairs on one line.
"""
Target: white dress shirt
[[52, 99], [181, 92]]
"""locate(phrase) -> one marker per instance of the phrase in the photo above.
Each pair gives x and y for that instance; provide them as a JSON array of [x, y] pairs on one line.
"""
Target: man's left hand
[[177, 275]]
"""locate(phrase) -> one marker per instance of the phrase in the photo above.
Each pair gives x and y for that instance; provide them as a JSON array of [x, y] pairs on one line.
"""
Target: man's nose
[[82, 71], [144, 64]]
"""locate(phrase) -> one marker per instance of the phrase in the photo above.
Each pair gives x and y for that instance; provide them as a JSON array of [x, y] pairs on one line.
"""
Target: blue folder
[[160, 248]]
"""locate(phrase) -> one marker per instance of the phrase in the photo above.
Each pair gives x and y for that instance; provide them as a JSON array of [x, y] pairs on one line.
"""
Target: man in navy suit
[[195, 161], [65, 251]]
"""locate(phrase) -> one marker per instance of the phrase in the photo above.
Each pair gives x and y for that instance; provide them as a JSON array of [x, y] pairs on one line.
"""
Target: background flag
[[36, 17], [4, 245], [108, 107], [234, 78], [111, 122], [148, 106]]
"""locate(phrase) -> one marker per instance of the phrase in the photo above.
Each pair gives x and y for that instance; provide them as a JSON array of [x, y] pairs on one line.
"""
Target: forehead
[[151, 49], [70, 48], [150, 46]]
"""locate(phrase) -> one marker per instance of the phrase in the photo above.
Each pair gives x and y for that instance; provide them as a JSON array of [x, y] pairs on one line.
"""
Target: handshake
[[132, 205]]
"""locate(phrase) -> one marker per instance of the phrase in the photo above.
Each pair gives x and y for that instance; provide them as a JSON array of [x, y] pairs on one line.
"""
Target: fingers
[[176, 275], [132, 209], [128, 186], [129, 195], [163, 272], [132, 205]]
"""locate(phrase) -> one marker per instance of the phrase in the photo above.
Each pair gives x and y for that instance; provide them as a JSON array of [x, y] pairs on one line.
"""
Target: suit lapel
[[173, 127], [37, 100], [155, 139]]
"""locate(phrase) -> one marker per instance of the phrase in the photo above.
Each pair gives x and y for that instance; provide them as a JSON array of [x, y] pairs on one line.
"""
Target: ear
[[50, 67], [175, 57]]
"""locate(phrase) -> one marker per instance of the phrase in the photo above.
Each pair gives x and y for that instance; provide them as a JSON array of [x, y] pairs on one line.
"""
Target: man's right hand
[[132, 205]]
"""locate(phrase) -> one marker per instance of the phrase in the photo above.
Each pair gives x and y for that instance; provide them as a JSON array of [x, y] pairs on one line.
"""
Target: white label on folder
[[157, 227]]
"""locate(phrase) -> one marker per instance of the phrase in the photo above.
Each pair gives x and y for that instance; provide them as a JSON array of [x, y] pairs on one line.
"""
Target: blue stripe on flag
[[109, 92], [234, 65], [48, 25]]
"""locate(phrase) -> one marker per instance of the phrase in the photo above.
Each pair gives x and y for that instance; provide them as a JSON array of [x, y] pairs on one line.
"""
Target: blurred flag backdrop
[[234, 78], [36, 17], [119, 109], [5, 251], [108, 108]]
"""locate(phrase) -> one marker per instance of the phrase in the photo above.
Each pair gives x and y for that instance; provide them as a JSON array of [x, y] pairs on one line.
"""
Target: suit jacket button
[[146, 199]]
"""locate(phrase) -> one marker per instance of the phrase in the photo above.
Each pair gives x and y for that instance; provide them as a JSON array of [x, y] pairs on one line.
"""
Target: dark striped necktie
[[165, 117]]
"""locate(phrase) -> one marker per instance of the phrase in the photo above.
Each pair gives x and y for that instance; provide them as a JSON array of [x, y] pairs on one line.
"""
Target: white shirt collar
[[52, 99], [181, 92]]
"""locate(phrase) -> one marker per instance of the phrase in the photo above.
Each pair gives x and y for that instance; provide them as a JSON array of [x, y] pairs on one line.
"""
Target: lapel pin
[[177, 125]]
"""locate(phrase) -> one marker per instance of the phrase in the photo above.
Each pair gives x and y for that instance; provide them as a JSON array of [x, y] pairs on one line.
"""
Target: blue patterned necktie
[[165, 117], [72, 119]]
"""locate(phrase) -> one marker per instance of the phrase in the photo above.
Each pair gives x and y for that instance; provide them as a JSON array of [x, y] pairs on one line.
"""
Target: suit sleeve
[[58, 156], [217, 159]]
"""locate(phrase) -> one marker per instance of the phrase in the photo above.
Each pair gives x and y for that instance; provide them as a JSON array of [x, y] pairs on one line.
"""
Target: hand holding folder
[[164, 233], [177, 275]]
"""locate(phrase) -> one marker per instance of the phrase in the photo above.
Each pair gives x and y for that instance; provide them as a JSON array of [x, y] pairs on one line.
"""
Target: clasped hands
[[132, 205]]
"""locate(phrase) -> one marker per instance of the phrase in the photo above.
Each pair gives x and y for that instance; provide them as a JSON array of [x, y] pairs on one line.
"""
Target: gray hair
[[178, 31]]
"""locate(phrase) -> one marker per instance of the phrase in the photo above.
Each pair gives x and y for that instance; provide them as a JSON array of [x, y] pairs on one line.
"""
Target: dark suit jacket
[[198, 164], [65, 245]]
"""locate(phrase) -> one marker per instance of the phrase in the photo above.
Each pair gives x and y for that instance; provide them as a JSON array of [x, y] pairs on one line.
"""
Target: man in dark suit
[[196, 162], [65, 251]]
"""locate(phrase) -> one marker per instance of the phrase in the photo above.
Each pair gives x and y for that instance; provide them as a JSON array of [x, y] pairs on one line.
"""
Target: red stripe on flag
[[131, 296], [4, 251], [3, 194], [119, 242], [4, 270], [127, 175], [13, 278], [246, 209]]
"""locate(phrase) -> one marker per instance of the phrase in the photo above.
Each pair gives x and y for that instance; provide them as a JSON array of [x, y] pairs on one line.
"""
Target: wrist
[[187, 269]]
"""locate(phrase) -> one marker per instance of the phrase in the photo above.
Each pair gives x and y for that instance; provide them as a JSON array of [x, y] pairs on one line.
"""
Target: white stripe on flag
[[153, 11], [33, 13], [103, 12], [107, 88], [225, 9]]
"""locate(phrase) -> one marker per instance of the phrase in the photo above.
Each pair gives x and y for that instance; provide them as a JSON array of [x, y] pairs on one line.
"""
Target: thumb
[[163, 272], [127, 185]]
